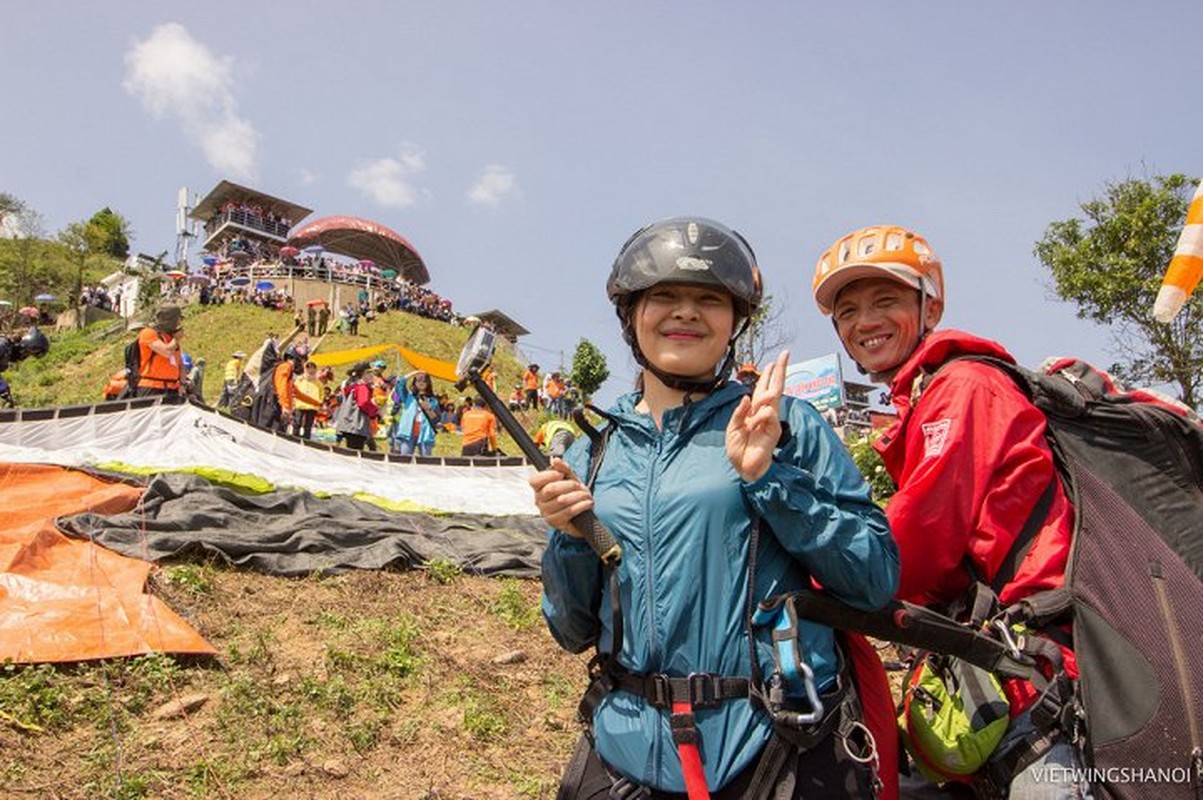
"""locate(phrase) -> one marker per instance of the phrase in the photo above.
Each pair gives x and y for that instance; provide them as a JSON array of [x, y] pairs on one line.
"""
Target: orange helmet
[[877, 251]]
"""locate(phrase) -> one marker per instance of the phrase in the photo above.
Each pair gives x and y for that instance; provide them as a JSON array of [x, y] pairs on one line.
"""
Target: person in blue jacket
[[696, 473], [415, 415]]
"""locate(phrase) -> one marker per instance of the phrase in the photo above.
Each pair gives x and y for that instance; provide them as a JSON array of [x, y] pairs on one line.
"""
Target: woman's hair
[[413, 384]]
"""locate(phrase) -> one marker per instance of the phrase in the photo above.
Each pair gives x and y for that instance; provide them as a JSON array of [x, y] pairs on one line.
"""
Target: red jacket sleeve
[[363, 397], [971, 463]]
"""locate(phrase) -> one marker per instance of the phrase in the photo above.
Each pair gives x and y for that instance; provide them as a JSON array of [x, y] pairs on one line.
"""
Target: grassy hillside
[[80, 362]]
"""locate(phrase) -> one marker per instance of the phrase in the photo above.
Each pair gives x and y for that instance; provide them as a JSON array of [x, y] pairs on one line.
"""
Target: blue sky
[[517, 145]]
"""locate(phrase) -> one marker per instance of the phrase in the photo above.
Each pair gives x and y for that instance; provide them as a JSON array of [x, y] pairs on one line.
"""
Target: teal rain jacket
[[405, 408], [683, 517]]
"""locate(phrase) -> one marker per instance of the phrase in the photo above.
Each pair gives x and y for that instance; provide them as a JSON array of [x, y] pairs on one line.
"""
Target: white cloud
[[389, 181], [176, 77], [306, 177], [494, 185]]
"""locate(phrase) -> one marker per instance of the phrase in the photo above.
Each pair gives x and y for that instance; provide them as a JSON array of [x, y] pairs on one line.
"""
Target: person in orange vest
[[747, 374], [159, 357], [530, 384], [116, 385], [555, 394], [279, 410], [480, 430], [517, 399]]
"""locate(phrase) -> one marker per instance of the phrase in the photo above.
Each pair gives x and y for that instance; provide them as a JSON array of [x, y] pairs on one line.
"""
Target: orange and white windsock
[[1186, 267]]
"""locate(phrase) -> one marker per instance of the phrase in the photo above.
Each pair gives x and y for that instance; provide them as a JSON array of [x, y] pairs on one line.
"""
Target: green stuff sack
[[953, 716]]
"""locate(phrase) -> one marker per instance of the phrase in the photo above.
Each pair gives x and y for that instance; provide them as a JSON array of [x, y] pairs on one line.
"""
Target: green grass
[[443, 570], [514, 609], [192, 579]]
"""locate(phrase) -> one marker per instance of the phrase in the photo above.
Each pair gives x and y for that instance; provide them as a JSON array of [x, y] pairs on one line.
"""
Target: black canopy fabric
[[298, 533]]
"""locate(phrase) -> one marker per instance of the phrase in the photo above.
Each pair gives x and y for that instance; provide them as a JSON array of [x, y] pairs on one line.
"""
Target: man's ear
[[933, 312]]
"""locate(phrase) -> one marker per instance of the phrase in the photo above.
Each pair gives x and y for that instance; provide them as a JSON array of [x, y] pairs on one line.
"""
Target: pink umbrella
[[288, 251], [29, 311], [174, 274]]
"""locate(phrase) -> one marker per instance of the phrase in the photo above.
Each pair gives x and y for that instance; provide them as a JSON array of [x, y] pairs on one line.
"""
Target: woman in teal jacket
[[691, 463], [413, 431]]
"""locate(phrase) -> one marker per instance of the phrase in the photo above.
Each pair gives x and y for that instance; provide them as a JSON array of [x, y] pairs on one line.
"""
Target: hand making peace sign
[[755, 427]]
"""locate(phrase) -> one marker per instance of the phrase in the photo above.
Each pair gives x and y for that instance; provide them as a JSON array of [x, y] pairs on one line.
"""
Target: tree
[[74, 239], [765, 336], [26, 267], [589, 370], [107, 233], [11, 209], [1110, 265]]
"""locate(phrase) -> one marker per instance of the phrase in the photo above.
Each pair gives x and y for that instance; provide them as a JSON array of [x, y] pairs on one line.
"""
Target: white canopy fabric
[[169, 437]]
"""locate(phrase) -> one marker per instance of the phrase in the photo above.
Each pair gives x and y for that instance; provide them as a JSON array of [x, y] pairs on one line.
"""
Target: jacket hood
[[937, 349]]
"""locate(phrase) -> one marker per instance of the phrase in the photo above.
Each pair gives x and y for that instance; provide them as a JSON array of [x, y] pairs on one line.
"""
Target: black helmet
[[691, 250], [35, 343], [687, 250]]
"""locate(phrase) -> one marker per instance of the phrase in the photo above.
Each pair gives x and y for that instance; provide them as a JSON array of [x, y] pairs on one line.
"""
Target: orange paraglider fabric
[[63, 599]]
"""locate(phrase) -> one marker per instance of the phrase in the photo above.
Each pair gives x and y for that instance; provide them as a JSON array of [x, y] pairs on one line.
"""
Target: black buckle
[[702, 689], [658, 691], [1048, 710], [684, 728]]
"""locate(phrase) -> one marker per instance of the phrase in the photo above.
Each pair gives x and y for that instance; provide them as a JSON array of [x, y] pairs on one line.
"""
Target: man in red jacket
[[970, 460]]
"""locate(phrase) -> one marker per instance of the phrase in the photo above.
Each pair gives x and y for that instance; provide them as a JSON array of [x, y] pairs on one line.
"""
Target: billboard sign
[[819, 381]]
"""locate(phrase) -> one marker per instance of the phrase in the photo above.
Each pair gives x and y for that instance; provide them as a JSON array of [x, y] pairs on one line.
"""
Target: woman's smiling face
[[684, 329]]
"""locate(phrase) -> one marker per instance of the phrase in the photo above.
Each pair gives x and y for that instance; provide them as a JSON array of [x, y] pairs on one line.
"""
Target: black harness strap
[[603, 666], [700, 690]]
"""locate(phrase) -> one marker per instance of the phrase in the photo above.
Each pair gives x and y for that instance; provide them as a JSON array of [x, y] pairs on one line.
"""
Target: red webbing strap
[[685, 734]]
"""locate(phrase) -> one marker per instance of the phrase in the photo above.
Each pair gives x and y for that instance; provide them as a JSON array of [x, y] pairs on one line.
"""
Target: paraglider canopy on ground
[[364, 240]]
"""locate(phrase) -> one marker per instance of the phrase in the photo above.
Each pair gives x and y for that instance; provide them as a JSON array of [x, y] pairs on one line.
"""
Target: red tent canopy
[[363, 239]]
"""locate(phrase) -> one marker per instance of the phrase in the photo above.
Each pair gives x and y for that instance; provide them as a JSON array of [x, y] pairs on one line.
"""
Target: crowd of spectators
[[305, 398], [424, 302], [552, 392], [251, 215], [97, 297]]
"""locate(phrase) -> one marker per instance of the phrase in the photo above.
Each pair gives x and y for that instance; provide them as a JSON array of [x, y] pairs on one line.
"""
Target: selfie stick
[[475, 357]]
